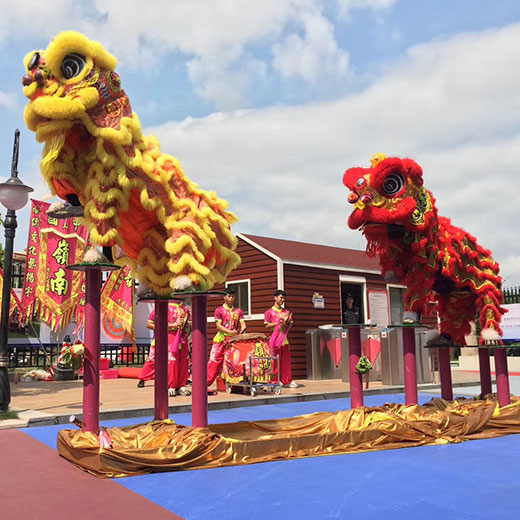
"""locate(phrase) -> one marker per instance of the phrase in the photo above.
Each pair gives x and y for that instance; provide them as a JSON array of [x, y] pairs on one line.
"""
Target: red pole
[[91, 359], [199, 367], [410, 366], [503, 392], [445, 373], [485, 371], [354, 353], [161, 360]]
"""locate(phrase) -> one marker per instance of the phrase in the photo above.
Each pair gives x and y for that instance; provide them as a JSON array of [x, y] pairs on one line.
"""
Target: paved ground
[[475, 480], [42, 402]]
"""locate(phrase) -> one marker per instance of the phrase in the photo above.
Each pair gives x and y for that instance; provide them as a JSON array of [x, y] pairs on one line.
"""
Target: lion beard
[[51, 152], [378, 243]]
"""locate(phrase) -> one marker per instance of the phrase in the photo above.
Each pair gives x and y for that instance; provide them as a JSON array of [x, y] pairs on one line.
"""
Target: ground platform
[[45, 403], [474, 480]]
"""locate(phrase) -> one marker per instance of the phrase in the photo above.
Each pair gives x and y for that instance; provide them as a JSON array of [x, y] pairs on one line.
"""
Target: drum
[[241, 348]]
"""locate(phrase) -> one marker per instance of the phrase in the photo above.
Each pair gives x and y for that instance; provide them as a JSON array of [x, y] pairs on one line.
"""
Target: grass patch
[[8, 415]]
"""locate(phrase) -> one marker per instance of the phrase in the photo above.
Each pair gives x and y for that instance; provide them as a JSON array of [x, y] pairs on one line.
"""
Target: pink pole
[[503, 392], [91, 359], [161, 360], [199, 367], [485, 371], [445, 373], [356, 379], [410, 366]]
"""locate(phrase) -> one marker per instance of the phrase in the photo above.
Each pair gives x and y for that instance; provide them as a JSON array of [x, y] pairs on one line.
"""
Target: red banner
[[117, 304], [50, 290], [15, 302]]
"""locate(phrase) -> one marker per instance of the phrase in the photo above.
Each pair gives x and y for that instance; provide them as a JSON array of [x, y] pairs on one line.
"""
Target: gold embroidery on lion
[[136, 199]]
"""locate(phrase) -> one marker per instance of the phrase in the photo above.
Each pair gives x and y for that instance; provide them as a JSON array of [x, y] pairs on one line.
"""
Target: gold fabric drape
[[166, 446]]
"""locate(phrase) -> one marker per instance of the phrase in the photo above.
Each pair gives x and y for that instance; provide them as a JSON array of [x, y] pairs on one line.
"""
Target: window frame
[[248, 282]]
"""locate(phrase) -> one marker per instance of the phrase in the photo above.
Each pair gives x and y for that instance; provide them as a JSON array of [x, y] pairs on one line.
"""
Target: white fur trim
[[410, 317], [181, 283], [95, 256], [55, 206], [489, 335]]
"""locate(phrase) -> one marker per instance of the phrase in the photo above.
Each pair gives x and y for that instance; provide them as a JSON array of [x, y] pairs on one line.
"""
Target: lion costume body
[[136, 199], [436, 260]]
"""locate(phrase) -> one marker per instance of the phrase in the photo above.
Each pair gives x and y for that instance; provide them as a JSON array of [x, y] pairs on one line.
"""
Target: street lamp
[[14, 195]]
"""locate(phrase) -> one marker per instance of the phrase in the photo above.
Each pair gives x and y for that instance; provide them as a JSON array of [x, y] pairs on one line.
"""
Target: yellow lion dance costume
[[136, 199]]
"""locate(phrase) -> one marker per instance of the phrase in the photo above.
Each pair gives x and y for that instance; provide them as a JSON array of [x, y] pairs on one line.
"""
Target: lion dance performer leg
[[178, 350], [229, 321]]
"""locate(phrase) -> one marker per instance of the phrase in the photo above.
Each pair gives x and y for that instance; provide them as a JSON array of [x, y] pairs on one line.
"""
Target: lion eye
[[393, 184], [72, 65], [34, 61]]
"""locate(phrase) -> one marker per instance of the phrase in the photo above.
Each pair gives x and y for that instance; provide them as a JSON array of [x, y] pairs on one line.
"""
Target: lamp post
[[14, 195]]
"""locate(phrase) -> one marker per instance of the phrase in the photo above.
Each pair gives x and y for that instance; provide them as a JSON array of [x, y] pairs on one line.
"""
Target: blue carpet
[[472, 480]]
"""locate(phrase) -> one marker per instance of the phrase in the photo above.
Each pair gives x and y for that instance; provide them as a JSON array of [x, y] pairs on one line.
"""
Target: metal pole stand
[[442, 346], [485, 370], [161, 360], [92, 341], [503, 392], [409, 365], [199, 366], [445, 373], [161, 352], [354, 353]]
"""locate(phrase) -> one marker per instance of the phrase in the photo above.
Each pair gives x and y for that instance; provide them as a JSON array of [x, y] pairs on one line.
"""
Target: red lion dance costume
[[138, 203], [434, 259]]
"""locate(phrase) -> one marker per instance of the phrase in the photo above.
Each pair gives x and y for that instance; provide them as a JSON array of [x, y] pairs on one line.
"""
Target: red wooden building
[[316, 279]]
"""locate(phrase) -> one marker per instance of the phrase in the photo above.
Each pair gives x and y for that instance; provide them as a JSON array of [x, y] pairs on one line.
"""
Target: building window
[[17, 274], [243, 295], [396, 304]]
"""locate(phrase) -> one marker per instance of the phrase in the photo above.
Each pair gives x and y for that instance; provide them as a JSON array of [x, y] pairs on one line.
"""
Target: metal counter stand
[[393, 355], [320, 362]]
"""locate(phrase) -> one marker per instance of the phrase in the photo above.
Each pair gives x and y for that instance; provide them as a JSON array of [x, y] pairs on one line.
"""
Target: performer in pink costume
[[230, 322], [178, 350], [279, 320]]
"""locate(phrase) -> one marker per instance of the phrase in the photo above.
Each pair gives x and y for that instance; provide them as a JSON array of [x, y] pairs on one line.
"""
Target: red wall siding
[[261, 270], [300, 284]]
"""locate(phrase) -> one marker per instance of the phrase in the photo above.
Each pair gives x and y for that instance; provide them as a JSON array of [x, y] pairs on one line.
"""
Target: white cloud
[[227, 42], [26, 18], [7, 100], [281, 167], [313, 57]]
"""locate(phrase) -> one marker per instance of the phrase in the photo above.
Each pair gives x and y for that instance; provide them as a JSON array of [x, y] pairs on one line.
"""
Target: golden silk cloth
[[166, 446]]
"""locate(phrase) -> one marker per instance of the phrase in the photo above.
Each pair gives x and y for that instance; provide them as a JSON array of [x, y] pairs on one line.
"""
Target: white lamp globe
[[14, 195]]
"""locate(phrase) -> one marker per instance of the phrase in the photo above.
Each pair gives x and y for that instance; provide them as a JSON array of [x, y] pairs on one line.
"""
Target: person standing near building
[[278, 320], [229, 321], [351, 313], [178, 350]]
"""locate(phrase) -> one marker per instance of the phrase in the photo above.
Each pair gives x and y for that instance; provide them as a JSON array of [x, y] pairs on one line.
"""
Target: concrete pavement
[[43, 403]]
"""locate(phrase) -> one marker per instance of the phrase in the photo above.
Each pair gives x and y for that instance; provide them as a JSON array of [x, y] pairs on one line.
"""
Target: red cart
[[249, 364]]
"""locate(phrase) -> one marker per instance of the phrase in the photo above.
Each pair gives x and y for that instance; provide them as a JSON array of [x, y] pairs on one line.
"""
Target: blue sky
[[269, 102]]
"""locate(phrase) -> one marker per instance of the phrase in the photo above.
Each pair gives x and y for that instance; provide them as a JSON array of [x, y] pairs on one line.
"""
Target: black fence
[[511, 294], [30, 355]]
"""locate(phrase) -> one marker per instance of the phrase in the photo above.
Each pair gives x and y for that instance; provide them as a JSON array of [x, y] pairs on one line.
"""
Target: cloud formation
[[229, 44], [452, 105]]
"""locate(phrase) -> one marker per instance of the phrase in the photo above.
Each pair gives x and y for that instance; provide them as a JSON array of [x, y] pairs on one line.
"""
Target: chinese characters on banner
[[117, 304], [50, 290]]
